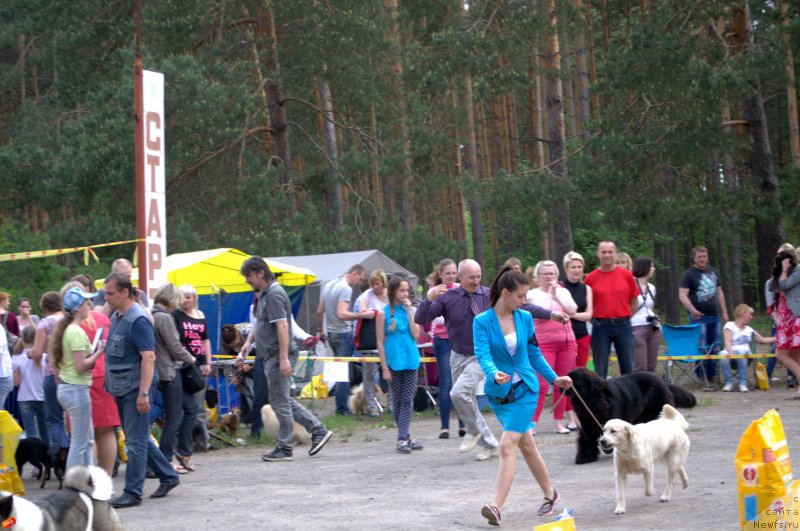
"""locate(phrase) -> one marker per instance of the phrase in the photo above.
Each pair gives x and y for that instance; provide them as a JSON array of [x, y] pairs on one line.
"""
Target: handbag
[[509, 398], [365, 335], [192, 378]]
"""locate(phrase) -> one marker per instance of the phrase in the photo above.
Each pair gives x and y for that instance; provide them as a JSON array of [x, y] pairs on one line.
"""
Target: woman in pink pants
[[556, 340]]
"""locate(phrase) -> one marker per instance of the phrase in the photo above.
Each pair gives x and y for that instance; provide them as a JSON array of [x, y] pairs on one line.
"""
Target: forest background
[[426, 129]]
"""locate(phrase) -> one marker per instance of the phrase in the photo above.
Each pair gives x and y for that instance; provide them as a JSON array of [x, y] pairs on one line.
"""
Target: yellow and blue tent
[[223, 295]]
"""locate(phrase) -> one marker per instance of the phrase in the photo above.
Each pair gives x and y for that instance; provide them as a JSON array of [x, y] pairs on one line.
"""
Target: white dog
[[271, 426], [358, 403], [638, 447]]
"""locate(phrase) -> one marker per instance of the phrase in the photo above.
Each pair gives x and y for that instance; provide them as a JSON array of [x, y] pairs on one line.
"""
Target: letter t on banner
[[151, 220]]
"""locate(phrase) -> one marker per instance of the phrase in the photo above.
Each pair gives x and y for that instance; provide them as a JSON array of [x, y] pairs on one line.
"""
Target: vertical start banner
[[150, 186]]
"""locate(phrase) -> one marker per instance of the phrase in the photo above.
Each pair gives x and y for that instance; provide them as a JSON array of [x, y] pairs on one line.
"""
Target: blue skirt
[[518, 415]]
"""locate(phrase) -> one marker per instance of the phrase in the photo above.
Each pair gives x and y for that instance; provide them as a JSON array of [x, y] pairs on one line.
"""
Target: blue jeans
[[772, 362], [6, 386], [604, 333], [54, 414], [180, 410], [342, 345], [260, 396], [710, 327], [142, 451], [76, 402], [441, 349], [741, 367], [33, 417]]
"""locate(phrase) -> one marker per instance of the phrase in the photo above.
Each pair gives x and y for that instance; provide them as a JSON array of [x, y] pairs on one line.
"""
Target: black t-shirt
[[192, 333], [578, 292], [702, 285]]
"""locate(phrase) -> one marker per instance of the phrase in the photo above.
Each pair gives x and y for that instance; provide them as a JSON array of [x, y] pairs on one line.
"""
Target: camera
[[779, 258], [654, 321]]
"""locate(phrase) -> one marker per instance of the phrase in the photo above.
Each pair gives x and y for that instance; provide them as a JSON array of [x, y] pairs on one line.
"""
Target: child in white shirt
[[737, 336], [29, 377]]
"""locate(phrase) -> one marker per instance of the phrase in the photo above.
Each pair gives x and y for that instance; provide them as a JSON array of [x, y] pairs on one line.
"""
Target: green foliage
[[27, 278]]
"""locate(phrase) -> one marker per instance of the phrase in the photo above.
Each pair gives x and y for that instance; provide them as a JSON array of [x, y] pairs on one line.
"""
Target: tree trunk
[[34, 72], [592, 59], [769, 219], [456, 190], [472, 175], [555, 137], [569, 92], [406, 213], [332, 189], [22, 68], [791, 90], [734, 232], [582, 77], [260, 83], [734, 289], [275, 105]]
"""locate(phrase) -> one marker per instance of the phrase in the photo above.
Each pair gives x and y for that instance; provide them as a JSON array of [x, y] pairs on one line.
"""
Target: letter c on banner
[[152, 121]]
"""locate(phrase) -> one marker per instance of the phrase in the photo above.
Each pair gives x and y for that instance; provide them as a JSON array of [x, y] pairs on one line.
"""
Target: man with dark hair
[[334, 311], [273, 337], [130, 362], [700, 292]]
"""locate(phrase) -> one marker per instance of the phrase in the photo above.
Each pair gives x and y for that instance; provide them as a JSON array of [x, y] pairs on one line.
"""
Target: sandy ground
[[359, 482]]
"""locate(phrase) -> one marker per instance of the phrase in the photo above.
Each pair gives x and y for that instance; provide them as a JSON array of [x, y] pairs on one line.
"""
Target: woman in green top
[[72, 359]]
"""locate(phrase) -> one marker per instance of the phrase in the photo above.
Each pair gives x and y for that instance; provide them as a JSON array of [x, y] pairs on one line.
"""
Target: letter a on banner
[[151, 215]]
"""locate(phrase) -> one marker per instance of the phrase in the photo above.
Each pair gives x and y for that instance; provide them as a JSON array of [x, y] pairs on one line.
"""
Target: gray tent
[[328, 267]]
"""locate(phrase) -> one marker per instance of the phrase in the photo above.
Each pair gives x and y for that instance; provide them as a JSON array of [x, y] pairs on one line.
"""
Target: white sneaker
[[484, 453], [743, 388], [728, 388], [469, 443]]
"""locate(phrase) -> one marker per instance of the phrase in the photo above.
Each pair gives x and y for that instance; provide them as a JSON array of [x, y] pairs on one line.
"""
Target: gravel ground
[[359, 482]]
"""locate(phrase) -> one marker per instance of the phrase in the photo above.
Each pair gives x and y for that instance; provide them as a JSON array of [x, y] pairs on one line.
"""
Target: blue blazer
[[493, 354]]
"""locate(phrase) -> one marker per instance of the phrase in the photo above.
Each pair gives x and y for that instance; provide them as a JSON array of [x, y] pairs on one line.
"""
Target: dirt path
[[359, 482]]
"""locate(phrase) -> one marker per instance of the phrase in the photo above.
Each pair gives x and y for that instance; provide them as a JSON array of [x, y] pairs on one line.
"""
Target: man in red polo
[[614, 294]]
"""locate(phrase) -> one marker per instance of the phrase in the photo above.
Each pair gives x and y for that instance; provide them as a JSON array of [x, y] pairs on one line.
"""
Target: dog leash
[[563, 394]]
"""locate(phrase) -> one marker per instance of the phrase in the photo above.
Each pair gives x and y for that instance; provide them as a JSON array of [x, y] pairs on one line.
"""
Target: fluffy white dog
[[358, 402], [271, 425], [638, 447]]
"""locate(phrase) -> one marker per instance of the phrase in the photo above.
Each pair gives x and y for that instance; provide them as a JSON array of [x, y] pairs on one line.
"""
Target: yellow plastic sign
[[767, 494]]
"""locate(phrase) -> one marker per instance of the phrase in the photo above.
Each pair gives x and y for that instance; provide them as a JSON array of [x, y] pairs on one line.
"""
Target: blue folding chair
[[684, 340]]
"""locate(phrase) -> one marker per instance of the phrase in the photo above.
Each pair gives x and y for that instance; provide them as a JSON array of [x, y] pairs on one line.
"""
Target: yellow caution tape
[[87, 250]]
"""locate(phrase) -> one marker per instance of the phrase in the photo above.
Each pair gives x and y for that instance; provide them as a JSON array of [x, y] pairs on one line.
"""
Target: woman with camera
[[786, 283], [646, 328]]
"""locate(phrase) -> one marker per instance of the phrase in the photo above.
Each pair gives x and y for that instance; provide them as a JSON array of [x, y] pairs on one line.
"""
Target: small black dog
[[58, 458], [34, 451]]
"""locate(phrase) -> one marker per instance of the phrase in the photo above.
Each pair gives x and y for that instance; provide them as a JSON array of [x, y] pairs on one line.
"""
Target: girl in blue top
[[396, 333], [506, 349]]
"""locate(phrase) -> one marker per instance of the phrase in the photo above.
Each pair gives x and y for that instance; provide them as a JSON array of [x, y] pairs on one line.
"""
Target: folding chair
[[684, 340]]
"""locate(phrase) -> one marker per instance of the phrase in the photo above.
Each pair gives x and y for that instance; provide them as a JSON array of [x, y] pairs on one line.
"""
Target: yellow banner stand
[[767, 495], [9, 433]]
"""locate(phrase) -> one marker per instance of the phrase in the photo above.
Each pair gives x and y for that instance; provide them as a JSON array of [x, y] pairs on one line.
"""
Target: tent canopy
[[215, 269], [330, 266]]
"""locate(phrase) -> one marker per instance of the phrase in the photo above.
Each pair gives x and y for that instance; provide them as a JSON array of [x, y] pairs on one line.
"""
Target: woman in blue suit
[[506, 349]]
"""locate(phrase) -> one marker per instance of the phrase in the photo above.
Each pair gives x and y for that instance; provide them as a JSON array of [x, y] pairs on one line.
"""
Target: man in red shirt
[[614, 292]]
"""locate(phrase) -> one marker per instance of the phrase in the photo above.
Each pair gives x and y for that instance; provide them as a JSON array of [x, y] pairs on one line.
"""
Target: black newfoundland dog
[[635, 398]]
